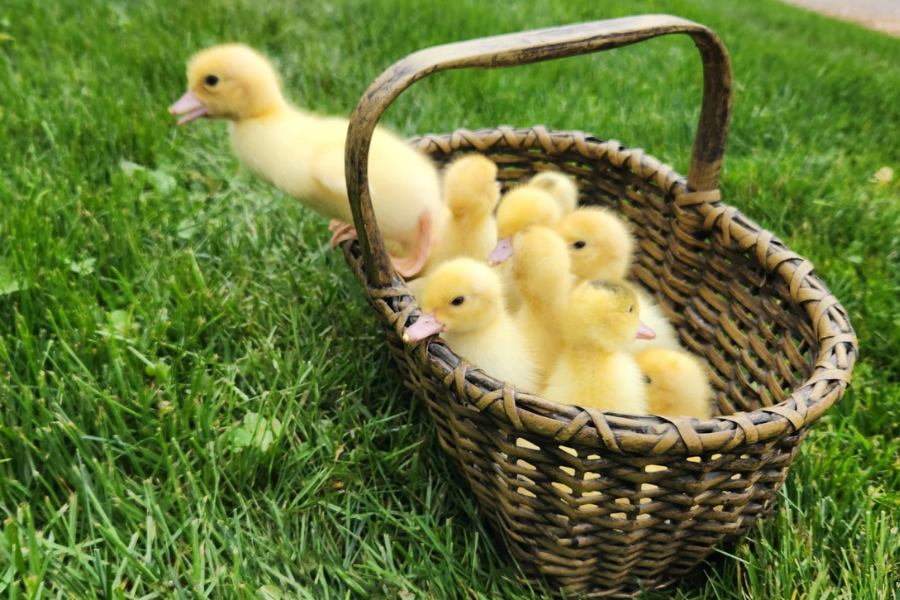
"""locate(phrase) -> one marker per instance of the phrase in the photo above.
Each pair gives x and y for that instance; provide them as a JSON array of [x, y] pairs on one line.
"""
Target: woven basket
[[600, 503]]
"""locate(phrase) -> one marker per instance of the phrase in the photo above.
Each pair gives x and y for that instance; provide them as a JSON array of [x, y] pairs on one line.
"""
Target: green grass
[[153, 295]]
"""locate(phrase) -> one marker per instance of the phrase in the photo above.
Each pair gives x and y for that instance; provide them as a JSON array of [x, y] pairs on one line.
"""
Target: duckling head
[[600, 244], [559, 185], [604, 315], [460, 296], [231, 81], [470, 186], [520, 208], [677, 375]]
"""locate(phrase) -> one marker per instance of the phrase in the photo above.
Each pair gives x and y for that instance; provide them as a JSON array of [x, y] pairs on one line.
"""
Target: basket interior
[[759, 343]]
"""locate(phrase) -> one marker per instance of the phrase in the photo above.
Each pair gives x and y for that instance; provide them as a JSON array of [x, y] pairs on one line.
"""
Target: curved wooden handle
[[525, 48]]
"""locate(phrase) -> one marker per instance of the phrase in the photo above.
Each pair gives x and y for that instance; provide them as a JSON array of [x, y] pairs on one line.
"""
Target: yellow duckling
[[601, 246], [522, 207], [559, 185], [593, 370], [302, 153], [540, 272], [471, 192], [462, 300], [600, 243], [678, 383]]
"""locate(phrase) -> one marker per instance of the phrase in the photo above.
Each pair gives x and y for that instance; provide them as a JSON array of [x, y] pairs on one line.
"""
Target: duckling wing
[[327, 173]]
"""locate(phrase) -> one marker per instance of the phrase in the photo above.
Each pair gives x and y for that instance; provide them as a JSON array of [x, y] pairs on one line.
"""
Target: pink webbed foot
[[341, 232], [408, 266]]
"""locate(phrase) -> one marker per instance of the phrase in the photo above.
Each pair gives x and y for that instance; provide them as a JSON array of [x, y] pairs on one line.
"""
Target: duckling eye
[[579, 244], [211, 80], [631, 308], [457, 301]]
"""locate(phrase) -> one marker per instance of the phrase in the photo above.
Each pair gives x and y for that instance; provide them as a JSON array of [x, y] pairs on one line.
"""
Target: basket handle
[[520, 49]]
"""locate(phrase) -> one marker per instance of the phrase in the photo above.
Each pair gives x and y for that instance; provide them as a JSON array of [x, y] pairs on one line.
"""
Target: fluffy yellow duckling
[[678, 383], [462, 300], [471, 193], [302, 153], [540, 272], [593, 370], [559, 185], [522, 207], [601, 246], [600, 243]]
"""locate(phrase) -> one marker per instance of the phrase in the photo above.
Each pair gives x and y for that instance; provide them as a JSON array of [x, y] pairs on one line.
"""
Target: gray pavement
[[883, 15]]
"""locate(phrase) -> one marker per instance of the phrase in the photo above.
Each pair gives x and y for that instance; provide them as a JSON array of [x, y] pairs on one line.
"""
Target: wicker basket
[[600, 503]]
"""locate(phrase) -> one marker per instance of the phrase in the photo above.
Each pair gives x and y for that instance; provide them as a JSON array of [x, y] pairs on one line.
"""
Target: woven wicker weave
[[594, 502]]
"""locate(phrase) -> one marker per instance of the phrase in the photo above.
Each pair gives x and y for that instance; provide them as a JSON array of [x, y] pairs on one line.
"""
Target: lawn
[[157, 301]]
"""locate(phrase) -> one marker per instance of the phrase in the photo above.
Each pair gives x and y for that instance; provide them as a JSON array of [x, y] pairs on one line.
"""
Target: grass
[[158, 305]]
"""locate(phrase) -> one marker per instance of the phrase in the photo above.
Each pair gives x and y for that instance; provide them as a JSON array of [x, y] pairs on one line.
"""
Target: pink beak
[[501, 252], [425, 326], [644, 332], [189, 106]]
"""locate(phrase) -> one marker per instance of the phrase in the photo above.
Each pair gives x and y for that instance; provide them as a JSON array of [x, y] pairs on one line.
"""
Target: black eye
[[211, 80], [647, 379], [579, 244], [457, 301], [631, 308]]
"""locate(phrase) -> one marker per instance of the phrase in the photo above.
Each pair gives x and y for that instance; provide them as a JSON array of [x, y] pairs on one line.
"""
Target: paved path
[[883, 15]]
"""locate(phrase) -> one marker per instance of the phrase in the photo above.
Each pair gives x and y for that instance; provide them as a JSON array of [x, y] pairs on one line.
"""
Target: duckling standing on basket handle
[[302, 153], [471, 193], [678, 383], [462, 300], [601, 246], [593, 370]]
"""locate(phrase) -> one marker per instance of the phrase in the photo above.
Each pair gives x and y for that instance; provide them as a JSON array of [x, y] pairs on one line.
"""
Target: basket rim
[[646, 435]]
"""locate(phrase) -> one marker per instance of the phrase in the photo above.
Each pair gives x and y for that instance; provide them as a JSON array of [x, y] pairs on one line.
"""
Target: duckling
[[601, 246], [521, 207], [593, 370], [462, 299], [654, 317], [302, 153], [559, 185], [540, 272], [471, 192], [678, 383]]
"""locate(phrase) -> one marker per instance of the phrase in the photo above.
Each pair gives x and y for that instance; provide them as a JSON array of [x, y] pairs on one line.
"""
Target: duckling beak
[[189, 106], [501, 252], [644, 332], [425, 326]]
